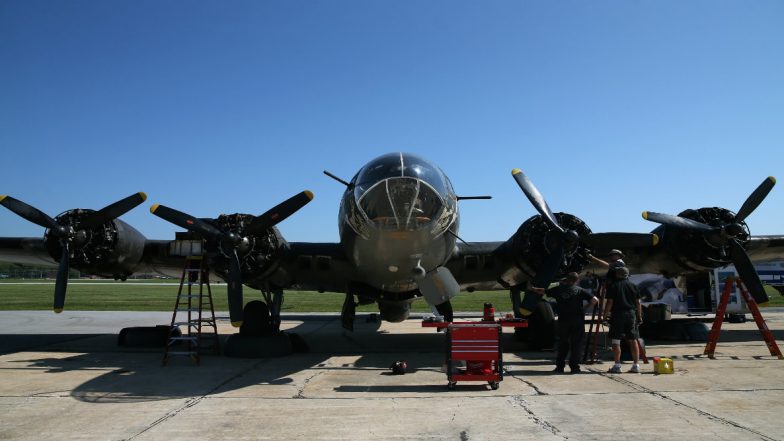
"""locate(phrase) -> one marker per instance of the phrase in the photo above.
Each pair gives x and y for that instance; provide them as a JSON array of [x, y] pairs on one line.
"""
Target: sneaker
[[616, 369], [558, 370], [576, 370], [635, 369]]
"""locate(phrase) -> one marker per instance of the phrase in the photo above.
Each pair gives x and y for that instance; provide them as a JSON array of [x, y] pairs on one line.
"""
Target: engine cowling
[[536, 239], [112, 249], [259, 253], [701, 251]]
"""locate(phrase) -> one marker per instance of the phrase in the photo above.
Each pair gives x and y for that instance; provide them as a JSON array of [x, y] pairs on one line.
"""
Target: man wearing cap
[[613, 262], [571, 320], [624, 312]]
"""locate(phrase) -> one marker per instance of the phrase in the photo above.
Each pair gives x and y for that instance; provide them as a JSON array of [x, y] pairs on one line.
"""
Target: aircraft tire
[[541, 327], [145, 336]]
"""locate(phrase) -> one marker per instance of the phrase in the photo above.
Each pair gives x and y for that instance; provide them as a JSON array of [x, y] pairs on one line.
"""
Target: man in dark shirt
[[613, 262], [571, 320], [624, 312]]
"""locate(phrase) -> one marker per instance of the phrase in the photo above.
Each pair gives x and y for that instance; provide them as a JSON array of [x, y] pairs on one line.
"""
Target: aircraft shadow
[[136, 374]]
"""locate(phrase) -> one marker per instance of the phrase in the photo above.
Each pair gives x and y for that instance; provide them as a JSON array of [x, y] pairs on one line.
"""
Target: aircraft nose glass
[[401, 203]]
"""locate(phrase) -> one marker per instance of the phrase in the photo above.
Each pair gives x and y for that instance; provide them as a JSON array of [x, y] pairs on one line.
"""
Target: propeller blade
[[62, 278], [113, 211], [755, 198], [280, 212], [677, 221], [235, 290], [747, 272], [185, 221], [620, 240], [29, 212], [536, 198]]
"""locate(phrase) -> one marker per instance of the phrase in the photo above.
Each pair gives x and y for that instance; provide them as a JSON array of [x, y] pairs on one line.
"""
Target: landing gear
[[541, 327], [260, 335], [348, 312], [540, 333], [274, 299]]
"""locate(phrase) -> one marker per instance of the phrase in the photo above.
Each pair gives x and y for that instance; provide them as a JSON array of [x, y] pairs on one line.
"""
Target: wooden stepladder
[[591, 354], [190, 307], [721, 310]]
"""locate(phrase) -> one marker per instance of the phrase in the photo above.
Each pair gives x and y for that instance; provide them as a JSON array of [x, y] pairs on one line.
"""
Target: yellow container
[[663, 365]]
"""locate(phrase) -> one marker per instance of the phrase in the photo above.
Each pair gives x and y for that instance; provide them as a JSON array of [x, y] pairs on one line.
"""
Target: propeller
[[726, 236], [565, 239], [69, 235], [231, 243]]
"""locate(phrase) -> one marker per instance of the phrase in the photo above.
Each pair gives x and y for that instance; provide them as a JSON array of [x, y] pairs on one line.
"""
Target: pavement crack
[[529, 383], [301, 391], [195, 400], [700, 412], [544, 424]]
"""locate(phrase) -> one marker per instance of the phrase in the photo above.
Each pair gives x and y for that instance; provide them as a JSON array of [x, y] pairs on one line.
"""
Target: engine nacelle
[[259, 254], [702, 251], [535, 239], [113, 249]]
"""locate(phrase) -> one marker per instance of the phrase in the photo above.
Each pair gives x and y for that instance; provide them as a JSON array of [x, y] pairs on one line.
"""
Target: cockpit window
[[402, 192], [401, 203], [400, 165]]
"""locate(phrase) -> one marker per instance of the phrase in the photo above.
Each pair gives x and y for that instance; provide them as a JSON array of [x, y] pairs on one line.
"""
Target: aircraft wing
[[766, 248], [26, 250]]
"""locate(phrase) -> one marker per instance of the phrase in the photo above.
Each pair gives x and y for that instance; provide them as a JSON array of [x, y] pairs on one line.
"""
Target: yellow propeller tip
[[645, 215], [309, 194], [772, 180], [58, 310], [3, 196], [143, 195], [236, 324], [655, 240], [154, 207], [516, 171]]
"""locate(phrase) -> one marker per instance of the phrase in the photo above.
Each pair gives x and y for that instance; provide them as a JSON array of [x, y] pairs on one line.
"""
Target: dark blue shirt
[[570, 300]]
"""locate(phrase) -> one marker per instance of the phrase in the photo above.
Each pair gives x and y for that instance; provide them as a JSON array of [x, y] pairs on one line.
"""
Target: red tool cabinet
[[479, 345]]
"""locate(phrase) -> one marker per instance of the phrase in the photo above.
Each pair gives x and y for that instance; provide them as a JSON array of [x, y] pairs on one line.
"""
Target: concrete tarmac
[[63, 377]]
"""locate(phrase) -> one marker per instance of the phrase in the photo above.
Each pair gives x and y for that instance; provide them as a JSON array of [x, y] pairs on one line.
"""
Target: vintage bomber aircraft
[[399, 241]]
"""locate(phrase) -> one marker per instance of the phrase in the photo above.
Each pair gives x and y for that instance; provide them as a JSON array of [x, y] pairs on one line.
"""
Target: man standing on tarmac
[[571, 320], [624, 312]]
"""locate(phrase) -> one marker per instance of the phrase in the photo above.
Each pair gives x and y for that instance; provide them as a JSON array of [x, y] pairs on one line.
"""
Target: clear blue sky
[[611, 107]]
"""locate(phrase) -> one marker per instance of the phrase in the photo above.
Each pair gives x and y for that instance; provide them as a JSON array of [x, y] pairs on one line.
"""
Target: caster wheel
[[451, 385], [494, 385]]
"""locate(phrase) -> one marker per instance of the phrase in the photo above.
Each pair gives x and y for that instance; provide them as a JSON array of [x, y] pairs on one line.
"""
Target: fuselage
[[398, 217]]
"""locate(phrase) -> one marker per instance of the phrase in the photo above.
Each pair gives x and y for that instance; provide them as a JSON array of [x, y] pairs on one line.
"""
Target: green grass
[[119, 296]]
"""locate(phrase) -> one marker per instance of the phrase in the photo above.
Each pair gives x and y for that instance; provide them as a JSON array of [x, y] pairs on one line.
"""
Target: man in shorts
[[624, 312]]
